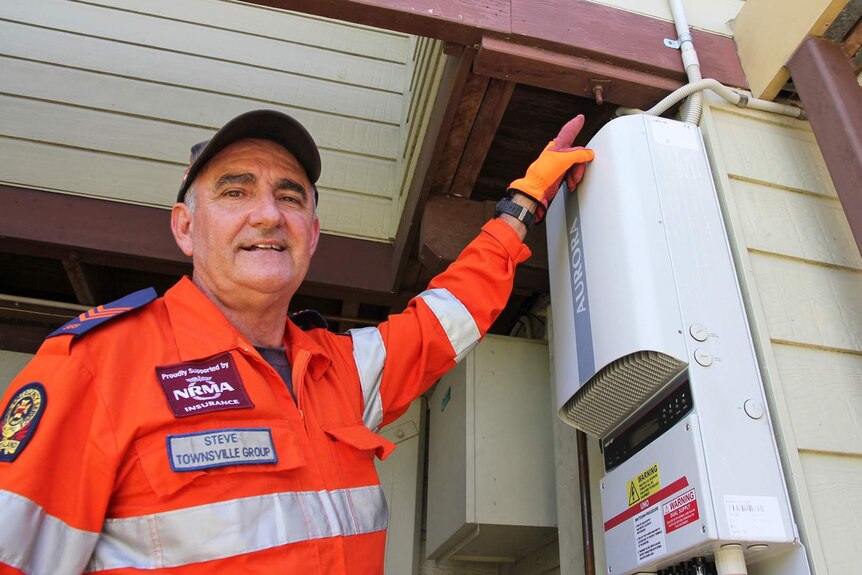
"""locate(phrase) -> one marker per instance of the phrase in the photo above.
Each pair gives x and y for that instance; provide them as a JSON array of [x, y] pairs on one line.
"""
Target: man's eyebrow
[[292, 185], [230, 179]]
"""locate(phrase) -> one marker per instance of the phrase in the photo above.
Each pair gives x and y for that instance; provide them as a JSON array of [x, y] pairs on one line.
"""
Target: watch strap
[[517, 211]]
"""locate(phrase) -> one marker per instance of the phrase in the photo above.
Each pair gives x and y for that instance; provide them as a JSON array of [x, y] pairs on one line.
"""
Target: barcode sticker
[[752, 517]]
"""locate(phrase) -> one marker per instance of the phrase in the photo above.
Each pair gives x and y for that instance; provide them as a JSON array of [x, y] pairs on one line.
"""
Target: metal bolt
[[598, 93], [687, 426], [399, 434], [703, 528]]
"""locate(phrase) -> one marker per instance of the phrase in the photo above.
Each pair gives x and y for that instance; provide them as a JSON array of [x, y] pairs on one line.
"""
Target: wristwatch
[[517, 211]]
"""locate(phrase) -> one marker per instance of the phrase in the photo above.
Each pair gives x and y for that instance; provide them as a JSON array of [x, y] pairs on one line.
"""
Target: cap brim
[[259, 124]]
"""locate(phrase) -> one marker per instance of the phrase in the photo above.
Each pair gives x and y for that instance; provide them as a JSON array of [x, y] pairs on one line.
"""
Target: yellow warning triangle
[[634, 496]]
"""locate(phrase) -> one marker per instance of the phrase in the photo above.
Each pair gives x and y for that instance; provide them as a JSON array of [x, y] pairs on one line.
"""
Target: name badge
[[203, 386], [220, 448]]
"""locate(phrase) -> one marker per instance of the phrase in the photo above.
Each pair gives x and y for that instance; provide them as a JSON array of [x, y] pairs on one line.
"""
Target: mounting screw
[[703, 528], [597, 92], [596, 87]]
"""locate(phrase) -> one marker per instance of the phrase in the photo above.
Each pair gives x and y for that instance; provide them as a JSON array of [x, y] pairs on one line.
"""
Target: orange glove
[[559, 159]]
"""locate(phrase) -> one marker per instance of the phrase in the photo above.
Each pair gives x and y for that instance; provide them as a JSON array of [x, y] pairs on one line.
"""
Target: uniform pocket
[[361, 439], [175, 457]]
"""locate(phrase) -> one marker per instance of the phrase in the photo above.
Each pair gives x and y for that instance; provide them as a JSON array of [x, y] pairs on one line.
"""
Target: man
[[202, 432]]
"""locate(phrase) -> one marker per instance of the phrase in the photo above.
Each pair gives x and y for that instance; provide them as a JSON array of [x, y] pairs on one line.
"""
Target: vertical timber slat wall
[[427, 68]]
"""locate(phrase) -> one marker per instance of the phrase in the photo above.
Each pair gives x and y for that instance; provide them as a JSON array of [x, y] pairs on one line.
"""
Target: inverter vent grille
[[619, 389]]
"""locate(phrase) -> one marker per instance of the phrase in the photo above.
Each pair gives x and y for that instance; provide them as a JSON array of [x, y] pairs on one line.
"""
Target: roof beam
[[450, 223], [826, 82], [571, 74], [140, 237], [487, 121], [574, 27], [78, 279], [454, 142]]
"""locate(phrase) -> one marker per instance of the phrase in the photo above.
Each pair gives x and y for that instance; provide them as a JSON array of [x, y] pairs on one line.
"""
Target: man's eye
[[233, 193], [290, 198]]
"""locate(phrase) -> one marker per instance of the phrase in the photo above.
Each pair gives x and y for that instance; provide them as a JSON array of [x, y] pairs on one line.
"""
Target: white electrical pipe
[[689, 60], [859, 78], [693, 90]]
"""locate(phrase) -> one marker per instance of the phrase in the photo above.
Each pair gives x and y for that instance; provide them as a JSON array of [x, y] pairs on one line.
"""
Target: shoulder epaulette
[[99, 315], [308, 319]]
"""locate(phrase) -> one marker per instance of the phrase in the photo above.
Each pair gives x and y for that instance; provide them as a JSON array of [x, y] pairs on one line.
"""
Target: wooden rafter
[[78, 279], [481, 135], [465, 111]]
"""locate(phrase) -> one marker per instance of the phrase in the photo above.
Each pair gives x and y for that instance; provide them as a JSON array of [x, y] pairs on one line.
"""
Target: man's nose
[[265, 211]]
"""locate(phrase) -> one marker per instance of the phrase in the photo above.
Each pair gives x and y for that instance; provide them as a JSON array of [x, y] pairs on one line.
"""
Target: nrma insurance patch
[[20, 420]]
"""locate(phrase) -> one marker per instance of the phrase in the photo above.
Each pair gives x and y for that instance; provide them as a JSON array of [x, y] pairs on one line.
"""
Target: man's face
[[253, 229]]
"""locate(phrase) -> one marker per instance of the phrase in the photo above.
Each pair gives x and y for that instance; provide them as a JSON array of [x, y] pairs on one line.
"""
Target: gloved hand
[[558, 159]]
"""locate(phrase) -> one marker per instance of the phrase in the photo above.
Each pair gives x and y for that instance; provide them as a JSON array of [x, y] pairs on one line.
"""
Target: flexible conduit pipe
[[732, 96], [697, 84], [859, 78]]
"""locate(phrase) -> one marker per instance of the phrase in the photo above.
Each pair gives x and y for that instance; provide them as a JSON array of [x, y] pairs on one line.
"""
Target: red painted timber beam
[[824, 77], [572, 27], [102, 230]]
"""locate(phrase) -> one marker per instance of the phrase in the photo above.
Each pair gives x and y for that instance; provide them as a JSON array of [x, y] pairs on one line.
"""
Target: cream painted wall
[[709, 15], [801, 275], [11, 362], [768, 32]]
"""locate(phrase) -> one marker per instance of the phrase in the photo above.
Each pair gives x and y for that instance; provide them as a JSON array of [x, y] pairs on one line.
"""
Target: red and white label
[[680, 511]]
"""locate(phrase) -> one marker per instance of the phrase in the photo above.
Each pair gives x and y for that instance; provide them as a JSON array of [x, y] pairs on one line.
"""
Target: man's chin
[[274, 285]]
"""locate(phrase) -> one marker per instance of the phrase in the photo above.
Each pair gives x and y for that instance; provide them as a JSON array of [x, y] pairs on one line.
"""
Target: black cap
[[258, 124]]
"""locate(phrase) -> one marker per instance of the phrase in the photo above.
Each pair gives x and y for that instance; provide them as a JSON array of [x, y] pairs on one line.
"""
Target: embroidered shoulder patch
[[308, 319], [99, 315], [20, 420]]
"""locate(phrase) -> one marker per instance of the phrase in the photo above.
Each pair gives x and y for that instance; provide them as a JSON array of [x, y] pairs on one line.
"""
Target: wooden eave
[[518, 70]]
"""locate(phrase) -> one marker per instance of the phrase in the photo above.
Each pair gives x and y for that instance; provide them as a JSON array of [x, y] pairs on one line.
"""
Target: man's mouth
[[255, 247]]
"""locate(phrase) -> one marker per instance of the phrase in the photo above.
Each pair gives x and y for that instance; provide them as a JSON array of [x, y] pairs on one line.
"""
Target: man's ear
[[182, 226]]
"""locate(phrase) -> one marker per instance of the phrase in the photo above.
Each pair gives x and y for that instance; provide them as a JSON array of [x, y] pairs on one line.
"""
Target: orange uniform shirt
[[162, 442]]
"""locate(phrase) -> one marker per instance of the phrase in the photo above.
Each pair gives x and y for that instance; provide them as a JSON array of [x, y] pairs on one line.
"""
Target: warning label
[[645, 484], [680, 511], [649, 535]]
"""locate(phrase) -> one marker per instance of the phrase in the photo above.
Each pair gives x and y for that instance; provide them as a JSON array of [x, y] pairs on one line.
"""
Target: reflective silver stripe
[[456, 320], [37, 543], [369, 353], [236, 527]]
